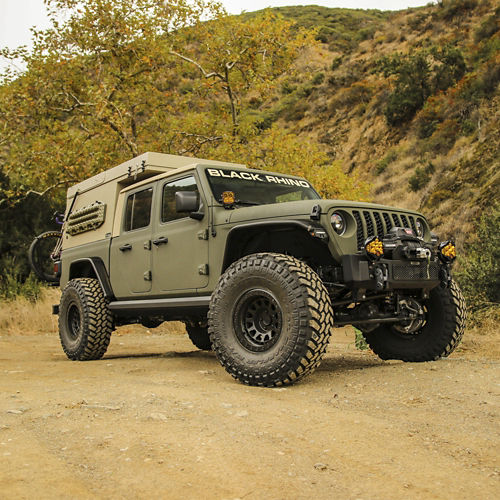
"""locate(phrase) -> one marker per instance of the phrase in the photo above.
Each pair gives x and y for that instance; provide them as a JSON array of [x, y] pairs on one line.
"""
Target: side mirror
[[186, 201]]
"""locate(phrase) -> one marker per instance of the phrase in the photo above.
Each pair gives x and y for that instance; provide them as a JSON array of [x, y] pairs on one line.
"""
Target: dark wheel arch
[[288, 236], [92, 267]]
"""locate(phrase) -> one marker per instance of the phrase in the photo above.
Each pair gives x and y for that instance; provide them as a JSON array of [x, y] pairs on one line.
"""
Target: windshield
[[258, 188]]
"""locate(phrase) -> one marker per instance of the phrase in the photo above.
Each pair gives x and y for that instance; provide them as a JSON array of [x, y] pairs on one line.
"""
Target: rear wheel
[[199, 336], [270, 319], [85, 322], [442, 331], [41, 255]]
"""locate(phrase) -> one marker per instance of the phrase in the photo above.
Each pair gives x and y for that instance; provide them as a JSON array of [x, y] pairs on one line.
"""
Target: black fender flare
[[314, 229], [97, 265]]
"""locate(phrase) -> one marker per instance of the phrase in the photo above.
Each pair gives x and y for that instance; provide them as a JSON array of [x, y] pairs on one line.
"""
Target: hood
[[300, 208]]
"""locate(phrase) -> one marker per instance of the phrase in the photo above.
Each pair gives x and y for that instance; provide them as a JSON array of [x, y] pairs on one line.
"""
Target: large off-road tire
[[39, 255], [446, 315], [85, 322], [270, 319], [199, 336]]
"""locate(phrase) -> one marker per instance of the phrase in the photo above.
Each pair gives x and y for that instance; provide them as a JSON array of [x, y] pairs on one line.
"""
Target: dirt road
[[158, 419]]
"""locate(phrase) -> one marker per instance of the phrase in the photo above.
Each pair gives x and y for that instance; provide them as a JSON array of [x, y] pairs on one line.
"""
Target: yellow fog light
[[447, 251], [374, 248]]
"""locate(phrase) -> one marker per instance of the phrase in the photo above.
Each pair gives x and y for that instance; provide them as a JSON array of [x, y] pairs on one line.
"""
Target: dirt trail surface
[[158, 419]]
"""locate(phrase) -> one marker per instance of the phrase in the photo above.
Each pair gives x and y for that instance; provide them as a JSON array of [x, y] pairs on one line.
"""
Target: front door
[[179, 243], [130, 259]]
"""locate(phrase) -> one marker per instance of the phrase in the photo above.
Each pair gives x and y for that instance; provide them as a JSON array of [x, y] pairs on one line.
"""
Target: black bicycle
[[45, 250]]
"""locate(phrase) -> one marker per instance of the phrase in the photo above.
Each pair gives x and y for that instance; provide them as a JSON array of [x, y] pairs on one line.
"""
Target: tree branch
[[205, 74]]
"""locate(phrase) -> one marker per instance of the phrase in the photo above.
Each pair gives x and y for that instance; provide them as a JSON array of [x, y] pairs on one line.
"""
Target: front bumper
[[391, 274]]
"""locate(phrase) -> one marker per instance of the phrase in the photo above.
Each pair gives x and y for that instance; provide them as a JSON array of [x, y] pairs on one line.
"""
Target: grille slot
[[396, 220], [360, 230], [412, 222], [369, 224], [387, 220], [378, 222], [405, 221]]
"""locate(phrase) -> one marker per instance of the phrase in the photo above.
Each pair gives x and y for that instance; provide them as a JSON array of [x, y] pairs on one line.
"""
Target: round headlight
[[338, 223], [420, 228]]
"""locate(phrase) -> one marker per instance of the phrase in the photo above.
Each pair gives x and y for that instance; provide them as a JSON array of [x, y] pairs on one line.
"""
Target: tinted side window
[[168, 211], [138, 209]]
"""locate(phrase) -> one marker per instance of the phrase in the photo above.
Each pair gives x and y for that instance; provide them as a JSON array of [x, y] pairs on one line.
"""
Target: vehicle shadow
[[330, 364], [348, 362], [169, 354]]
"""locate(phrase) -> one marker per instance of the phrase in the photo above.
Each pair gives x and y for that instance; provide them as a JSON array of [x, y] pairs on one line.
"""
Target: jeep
[[255, 263]]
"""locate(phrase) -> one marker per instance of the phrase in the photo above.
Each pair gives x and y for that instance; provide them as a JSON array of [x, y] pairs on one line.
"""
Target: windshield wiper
[[246, 202]]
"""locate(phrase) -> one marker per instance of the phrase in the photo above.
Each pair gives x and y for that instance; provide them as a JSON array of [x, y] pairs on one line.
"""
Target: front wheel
[[445, 318], [270, 319]]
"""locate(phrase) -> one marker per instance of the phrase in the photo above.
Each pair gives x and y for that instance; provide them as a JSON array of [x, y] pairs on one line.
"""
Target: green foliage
[[385, 162], [449, 69], [416, 77], [421, 177], [479, 272], [359, 341], [411, 86], [14, 284], [318, 78], [451, 9]]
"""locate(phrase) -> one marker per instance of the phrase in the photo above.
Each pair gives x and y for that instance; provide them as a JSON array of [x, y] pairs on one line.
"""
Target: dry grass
[[22, 317]]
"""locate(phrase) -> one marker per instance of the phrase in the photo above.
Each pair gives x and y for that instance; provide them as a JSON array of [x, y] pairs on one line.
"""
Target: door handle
[[126, 247], [162, 240]]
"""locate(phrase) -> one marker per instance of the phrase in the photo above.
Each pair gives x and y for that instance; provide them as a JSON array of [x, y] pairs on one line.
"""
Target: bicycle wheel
[[42, 255]]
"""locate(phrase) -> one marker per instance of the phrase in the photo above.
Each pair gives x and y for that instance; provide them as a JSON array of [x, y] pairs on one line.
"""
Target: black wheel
[[41, 255], [199, 336], [270, 319], [85, 322], [443, 328]]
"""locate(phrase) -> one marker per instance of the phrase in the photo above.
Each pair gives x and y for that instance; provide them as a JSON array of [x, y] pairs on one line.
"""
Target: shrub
[[449, 9], [385, 161], [421, 177], [450, 68], [366, 33], [318, 78], [479, 271], [412, 86], [336, 63]]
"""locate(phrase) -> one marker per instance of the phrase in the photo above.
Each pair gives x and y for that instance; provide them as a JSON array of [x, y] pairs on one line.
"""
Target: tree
[[238, 55], [91, 84]]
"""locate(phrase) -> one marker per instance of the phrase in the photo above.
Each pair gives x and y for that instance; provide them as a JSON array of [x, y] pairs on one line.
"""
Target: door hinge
[[203, 235], [147, 276], [203, 269], [147, 245]]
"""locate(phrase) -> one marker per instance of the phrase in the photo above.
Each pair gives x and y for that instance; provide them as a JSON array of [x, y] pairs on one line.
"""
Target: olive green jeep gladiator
[[256, 264]]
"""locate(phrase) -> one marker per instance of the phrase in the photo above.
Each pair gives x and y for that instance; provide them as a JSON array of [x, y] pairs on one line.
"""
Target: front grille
[[375, 223], [407, 272]]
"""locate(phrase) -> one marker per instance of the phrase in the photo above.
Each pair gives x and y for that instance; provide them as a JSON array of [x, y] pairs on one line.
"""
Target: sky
[[18, 16]]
